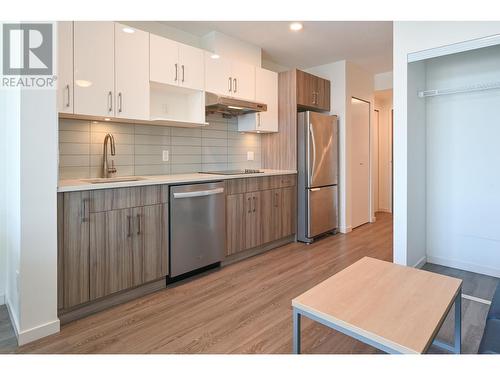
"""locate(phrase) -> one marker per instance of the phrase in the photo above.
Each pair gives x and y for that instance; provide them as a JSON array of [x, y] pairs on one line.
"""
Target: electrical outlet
[[250, 155], [165, 155]]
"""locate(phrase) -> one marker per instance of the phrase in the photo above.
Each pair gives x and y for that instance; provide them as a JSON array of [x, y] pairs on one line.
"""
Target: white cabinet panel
[[164, 57], [218, 75], [65, 98], [131, 73], [243, 76], [191, 67], [94, 68]]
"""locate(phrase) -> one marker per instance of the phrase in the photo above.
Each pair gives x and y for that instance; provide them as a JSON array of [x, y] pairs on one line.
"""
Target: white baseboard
[[472, 267], [373, 220], [2, 299], [32, 334], [344, 229], [420, 262]]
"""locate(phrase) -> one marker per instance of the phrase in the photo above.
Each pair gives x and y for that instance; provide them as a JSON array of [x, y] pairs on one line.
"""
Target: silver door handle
[[120, 102], [230, 84], [314, 149], [175, 79], [68, 102], [110, 101], [202, 193], [235, 81], [182, 72]]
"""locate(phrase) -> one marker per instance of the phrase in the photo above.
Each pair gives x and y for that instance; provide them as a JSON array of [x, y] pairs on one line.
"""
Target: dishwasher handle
[[201, 193]]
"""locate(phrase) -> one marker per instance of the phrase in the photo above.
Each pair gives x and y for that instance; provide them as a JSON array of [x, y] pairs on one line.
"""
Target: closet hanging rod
[[460, 90]]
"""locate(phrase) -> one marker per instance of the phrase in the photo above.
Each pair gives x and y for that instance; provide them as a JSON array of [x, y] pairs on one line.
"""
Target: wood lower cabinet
[[154, 237], [259, 210]]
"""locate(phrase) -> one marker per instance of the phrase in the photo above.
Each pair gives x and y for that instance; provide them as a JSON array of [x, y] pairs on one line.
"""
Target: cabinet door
[[270, 215], [236, 211], [217, 75], [65, 67], [75, 249], [164, 60], [152, 229], [306, 89], [266, 91], [94, 68], [243, 85], [288, 211], [253, 220], [323, 94], [191, 67], [114, 262], [131, 73]]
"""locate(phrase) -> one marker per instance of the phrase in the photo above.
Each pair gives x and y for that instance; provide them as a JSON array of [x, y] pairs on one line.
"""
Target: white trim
[[2, 299], [13, 318], [374, 219], [469, 45], [472, 267], [476, 299], [36, 333], [344, 229], [420, 262]]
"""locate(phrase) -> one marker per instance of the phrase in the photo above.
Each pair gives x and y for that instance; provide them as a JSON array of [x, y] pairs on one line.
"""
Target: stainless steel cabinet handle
[[176, 66], [235, 81], [277, 199], [120, 102], [249, 205], [202, 193], [138, 224], [182, 72], [258, 120], [230, 84], [110, 101], [254, 205], [67, 90], [84, 210], [128, 231]]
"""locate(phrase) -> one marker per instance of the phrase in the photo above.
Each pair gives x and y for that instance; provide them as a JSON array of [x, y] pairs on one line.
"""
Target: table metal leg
[[296, 331], [458, 323]]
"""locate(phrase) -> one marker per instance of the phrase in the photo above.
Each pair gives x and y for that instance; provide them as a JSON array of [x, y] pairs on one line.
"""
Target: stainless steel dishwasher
[[197, 226]]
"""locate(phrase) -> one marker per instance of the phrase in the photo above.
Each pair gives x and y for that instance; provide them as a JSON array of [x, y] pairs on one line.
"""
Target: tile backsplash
[[139, 148]]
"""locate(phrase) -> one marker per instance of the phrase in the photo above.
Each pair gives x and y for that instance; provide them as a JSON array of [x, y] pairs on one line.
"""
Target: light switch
[[250, 155], [165, 155]]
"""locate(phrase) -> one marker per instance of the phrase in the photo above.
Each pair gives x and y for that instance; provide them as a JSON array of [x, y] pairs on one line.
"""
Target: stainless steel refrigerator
[[317, 157]]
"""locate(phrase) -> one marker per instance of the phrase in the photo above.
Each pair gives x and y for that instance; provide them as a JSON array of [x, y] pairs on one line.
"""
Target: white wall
[[412, 37], [347, 81], [383, 81], [232, 48], [463, 179]]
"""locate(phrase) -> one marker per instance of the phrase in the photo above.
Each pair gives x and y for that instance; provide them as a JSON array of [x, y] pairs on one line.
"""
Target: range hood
[[230, 107]]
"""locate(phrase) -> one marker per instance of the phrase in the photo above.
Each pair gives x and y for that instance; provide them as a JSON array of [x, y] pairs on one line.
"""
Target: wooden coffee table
[[394, 308]]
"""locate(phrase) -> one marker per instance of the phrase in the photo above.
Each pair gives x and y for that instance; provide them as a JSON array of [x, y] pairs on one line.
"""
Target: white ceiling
[[366, 43]]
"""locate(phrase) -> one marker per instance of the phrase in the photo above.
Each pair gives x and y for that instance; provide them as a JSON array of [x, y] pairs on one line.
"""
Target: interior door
[[131, 73], [191, 67], [163, 60], [322, 149], [94, 46], [360, 162], [243, 81]]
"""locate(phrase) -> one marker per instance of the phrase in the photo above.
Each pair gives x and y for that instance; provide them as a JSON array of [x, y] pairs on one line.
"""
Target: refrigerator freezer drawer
[[322, 210]]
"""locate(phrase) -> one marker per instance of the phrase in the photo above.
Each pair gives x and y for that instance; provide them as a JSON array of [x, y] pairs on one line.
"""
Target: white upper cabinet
[[175, 63], [164, 60], [243, 77], [94, 68], [131, 73], [65, 98], [229, 78], [191, 67], [266, 91]]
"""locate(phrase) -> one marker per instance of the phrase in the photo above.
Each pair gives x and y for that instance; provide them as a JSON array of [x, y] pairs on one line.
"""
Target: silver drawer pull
[[202, 193]]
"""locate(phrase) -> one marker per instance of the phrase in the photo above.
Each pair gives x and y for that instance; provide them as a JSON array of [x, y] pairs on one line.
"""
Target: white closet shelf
[[460, 90]]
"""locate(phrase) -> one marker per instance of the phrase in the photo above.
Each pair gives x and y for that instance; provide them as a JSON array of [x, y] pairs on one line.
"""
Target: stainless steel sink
[[112, 179]]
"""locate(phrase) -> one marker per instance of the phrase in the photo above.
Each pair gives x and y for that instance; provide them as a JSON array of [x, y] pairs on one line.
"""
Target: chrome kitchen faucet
[[106, 170]]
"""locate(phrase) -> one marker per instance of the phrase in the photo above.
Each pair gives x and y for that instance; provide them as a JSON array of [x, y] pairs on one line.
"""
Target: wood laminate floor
[[242, 308]]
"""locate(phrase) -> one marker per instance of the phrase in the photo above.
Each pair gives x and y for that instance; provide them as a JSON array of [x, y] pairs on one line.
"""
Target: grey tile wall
[[139, 148]]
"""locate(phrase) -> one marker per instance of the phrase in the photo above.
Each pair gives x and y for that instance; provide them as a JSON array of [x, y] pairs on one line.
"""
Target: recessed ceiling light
[[296, 26], [128, 30], [214, 56]]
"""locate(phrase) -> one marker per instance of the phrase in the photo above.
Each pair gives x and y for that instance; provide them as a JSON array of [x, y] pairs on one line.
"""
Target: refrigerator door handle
[[315, 189], [313, 150]]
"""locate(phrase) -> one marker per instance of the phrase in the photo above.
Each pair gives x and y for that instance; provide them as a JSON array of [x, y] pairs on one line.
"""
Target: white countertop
[[81, 184]]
